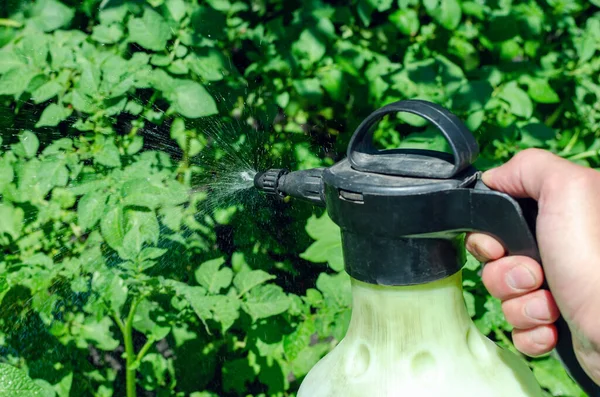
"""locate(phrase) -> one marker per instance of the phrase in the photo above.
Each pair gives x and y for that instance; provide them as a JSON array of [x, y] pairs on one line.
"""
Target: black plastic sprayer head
[[306, 185]]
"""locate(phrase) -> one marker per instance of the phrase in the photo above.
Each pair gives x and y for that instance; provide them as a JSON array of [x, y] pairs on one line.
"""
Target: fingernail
[[537, 310], [519, 277], [541, 336]]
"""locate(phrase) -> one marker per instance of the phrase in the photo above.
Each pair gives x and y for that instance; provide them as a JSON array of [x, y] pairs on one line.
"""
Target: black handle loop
[[363, 156]]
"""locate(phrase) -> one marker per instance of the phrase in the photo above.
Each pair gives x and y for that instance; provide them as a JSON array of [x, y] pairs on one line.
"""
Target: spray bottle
[[401, 212]]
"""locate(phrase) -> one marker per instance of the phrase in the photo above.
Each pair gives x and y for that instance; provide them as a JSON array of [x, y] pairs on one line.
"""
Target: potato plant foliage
[[117, 279]]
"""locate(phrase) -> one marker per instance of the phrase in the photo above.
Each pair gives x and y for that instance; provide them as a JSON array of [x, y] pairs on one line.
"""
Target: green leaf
[[34, 48], [208, 22], [141, 193], [333, 82], [472, 96], [308, 358], [328, 244], [141, 227], [52, 172], [15, 81], [112, 227], [107, 34], [540, 91], [536, 135], [191, 100], [212, 277], [221, 308], [265, 301], [99, 333], [15, 383], [108, 155], [225, 310], [90, 209], [381, 5], [89, 81], [118, 295], [237, 374], [308, 88], [336, 289], [82, 102], [151, 253], [309, 47], [470, 303], [298, 340], [178, 66], [53, 115], [587, 44], [176, 9], [445, 12], [136, 144], [196, 298], [248, 279], [552, 376], [29, 143], [7, 174], [9, 60], [151, 31], [210, 64], [493, 318], [50, 15], [46, 91], [63, 388], [150, 319], [518, 100], [473, 8], [12, 220], [407, 21]]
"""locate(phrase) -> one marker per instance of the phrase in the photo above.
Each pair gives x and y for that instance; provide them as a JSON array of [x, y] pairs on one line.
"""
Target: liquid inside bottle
[[417, 341]]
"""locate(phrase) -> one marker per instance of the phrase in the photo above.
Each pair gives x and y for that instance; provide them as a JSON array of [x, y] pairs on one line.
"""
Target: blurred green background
[[132, 263]]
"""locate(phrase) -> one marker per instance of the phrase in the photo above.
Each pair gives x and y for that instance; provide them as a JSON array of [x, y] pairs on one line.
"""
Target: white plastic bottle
[[417, 341]]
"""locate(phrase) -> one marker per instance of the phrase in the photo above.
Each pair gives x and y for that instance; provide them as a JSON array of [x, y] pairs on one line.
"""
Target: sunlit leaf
[[50, 15], [191, 100], [91, 208], [328, 244], [53, 115], [15, 383], [151, 31]]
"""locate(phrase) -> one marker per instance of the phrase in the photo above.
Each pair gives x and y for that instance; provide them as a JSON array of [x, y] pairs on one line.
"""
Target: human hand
[[568, 234]]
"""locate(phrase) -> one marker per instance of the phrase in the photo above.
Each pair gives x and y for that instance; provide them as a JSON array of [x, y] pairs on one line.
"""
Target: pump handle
[[512, 222], [363, 155]]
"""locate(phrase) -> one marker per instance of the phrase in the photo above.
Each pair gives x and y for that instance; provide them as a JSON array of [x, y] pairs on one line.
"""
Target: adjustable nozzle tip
[[258, 180], [268, 181]]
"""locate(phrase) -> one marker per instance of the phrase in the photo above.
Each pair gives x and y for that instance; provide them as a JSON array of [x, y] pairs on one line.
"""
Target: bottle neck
[[407, 315], [380, 260]]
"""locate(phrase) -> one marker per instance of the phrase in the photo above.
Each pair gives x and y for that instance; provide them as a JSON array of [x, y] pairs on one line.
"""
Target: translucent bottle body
[[416, 341]]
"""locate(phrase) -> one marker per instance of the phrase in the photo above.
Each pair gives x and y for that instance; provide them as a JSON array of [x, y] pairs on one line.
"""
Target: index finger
[[483, 247]]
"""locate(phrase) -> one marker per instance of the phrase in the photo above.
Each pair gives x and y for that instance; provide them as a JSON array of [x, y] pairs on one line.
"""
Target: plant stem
[[554, 116], [145, 348], [130, 357], [10, 23], [584, 155], [504, 339]]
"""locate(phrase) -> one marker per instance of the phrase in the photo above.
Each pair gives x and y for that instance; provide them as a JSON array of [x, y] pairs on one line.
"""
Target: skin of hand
[[568, 234]]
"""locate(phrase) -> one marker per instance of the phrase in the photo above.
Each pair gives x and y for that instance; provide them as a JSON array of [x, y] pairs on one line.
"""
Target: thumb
[[528, 173]]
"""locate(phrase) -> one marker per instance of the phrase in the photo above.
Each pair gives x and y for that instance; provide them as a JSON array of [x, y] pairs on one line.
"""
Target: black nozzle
[[306, 185], [268, 181]]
